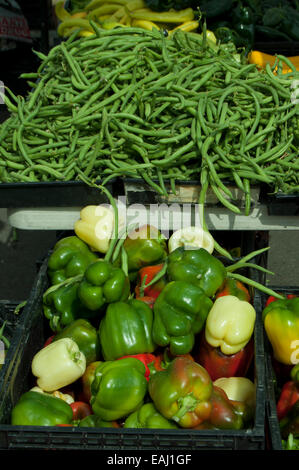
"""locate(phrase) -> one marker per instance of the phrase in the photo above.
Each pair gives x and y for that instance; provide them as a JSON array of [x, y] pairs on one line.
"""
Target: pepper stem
[[186, 404]]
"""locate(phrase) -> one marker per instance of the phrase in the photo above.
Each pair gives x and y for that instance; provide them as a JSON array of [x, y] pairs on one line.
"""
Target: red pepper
[[288, 397], [222, 365], [234, 287], [80, 410], [272, 298], [144, 277], [148, 360]]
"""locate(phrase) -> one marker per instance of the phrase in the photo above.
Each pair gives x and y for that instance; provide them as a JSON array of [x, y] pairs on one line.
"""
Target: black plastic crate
[[36, 331], [274, 440], [52, 194]]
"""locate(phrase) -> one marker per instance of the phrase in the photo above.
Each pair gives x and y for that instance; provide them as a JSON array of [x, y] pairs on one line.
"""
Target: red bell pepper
[[80, 410], [288, 397], [145, 276], [151, 362], [234, 287], [222, 365]]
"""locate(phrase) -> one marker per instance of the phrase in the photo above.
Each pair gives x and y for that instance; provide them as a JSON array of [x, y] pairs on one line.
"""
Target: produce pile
[[140, 340], [283, 316], [131, 102]]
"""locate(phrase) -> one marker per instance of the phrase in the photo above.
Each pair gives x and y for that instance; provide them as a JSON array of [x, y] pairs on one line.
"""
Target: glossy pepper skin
[[126, 329], [85, 335], [198, 267], [148, 417], [225, 413], [281, 322], [182, 392], [62, 306], [151, 362], [219, 364], [118, 388], [144, 247], [180, 312], [70, 257], [40, 409], [103, 283]]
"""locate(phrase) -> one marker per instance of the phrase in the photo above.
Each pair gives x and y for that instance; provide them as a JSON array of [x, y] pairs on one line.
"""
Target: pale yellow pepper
[[230, 324], [95, 227], [57, 365]]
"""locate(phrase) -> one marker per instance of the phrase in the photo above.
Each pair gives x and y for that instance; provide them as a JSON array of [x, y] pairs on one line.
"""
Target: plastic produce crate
[[36, 331], [274, 439], [51, 194]]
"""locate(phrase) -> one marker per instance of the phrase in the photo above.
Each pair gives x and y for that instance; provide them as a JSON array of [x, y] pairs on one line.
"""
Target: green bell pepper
[[148, 417], [118, 388], [103, 283], [86, 337], [144, 247], [40, 409], [126, 329], [197, 267], [62, 306], [70, 257], [180, 313]]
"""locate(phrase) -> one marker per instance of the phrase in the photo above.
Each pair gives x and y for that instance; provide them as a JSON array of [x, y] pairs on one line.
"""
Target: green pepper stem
[[186, 404], [255, 284]]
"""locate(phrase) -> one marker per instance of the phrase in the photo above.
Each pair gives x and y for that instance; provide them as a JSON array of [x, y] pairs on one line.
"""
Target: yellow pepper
[[95, 227], [59, 364], [261, 59], [230, 324], [145, 24], [186, 26]]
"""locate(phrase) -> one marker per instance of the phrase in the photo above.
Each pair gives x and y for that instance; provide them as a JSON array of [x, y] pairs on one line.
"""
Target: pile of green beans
[[130, 102]]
